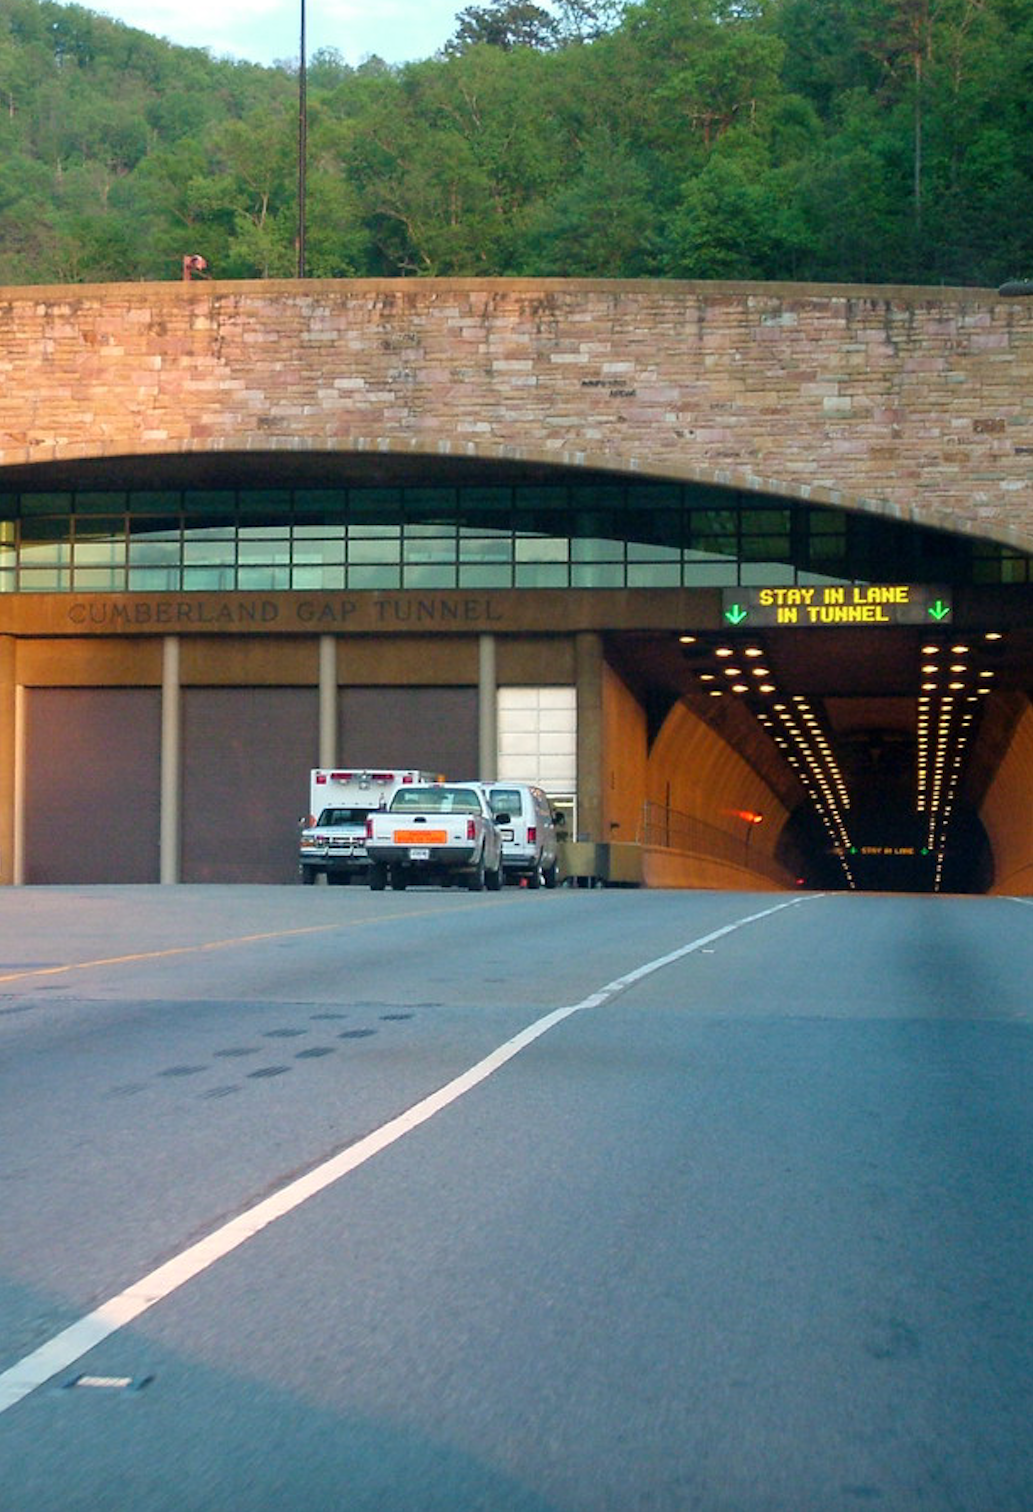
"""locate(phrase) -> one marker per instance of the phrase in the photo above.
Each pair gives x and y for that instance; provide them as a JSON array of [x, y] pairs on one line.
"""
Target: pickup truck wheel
[[476, 881], [550, 875], [398, 881], [308, 875], [377, 876], [494, 878]]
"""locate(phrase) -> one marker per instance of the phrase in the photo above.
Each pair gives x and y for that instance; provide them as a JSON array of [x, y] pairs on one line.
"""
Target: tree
[[506, 24]]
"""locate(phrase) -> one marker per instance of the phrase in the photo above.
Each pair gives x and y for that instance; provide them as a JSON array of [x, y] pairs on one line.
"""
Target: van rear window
[[506, 801]]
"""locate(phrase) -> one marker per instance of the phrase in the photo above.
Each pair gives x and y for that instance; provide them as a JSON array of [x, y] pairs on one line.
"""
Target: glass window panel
[[155, 501], [319, 532], [709, 574], [40, 553], [541, 549], [715, 545], [98, 503], [267, 579], [484, 498], [46, 503], [360, 551], [419, 502], [640, 552], [374, 577], [757, 519], [598, 525], [212, 533], [264, 533], [153, 580], [320, 503], [541, 497], [439, 528], [212, 579], [826, 522], [274, 502], [7, 581], [429, 550], [373, 532], [33, 531], [210, 501], [717, 550], [161, 528], [209, 553], [766, 548], [541, 576], [43, 579], [314, 553], [100, 529], [476, 576], [491, 549], [713, 521], [263, 551], [374, 504], [144, 553], [430, 576], [9, 506], [654, 574], [99, 553], [596, 551], [317, 579], [100, 579], [758, 574], [597, 575]]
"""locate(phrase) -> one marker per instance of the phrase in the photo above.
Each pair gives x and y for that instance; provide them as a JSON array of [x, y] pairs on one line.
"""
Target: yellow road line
[[252, 939]]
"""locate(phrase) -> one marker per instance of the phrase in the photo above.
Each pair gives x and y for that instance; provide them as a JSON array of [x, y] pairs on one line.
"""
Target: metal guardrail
[[665, 828]]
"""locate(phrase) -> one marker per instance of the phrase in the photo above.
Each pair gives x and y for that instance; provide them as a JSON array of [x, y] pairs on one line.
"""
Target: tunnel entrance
[[880, 747]]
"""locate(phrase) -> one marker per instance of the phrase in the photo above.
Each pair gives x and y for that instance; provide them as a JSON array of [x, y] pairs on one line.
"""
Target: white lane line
[[65, 1348]]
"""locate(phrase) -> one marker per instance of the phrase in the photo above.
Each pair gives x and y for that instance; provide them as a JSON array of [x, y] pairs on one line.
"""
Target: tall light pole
[[302, 145]]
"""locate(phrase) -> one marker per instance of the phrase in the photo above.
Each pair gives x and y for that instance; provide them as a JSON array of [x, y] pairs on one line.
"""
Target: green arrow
[[939, 610], [735, 614]]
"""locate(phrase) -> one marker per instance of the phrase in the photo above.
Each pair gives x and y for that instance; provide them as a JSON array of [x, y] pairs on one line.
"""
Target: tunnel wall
[[1006, 813], [693, 771]]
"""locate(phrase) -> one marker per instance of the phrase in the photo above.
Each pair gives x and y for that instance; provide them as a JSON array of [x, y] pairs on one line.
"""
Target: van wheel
[[535, 877], [476, 879], [377, 876], [551, 875]]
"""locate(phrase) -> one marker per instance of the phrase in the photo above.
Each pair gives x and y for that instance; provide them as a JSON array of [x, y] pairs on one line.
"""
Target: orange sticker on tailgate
[[421, 837]]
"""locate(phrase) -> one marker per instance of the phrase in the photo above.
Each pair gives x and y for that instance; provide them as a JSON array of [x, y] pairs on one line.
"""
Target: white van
[[529, 839]]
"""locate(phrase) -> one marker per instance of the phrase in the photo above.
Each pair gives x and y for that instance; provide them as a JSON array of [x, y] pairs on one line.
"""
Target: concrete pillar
[[18, 842], [487, 710], [328, 756], [588, 662], [7, 761], [171, 755]]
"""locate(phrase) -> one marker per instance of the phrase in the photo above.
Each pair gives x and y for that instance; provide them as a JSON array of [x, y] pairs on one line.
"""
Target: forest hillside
[[834, 140]]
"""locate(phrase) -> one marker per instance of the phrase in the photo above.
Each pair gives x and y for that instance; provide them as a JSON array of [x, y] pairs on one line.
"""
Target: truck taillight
[[342, 776], [532, 834], [369, 826], [320, 778], [408, 778], [471, 829], [381, 777]]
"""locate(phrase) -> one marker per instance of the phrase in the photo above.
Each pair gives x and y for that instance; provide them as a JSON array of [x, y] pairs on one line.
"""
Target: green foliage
[[848, 140]]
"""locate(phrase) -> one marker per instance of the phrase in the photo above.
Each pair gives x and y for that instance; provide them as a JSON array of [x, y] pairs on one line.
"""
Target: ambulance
[[333, 840]]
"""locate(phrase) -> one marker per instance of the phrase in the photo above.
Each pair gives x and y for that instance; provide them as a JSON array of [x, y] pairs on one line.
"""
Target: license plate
[[419, 853]]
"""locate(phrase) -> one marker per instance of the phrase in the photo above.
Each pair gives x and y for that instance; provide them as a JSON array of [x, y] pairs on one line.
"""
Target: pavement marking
[[251, 939], [72, 1343]]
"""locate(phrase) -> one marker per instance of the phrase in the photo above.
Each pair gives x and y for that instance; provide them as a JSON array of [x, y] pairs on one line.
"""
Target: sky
[[261, 31]]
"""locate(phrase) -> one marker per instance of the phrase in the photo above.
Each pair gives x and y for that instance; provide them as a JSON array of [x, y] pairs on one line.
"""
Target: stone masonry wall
[[912, 402]]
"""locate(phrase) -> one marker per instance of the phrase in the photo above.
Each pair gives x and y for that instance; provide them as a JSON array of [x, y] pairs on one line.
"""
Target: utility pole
[[302, 145]]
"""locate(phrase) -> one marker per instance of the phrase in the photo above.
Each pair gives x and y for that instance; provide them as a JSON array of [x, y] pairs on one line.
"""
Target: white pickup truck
[[334, 839], [440, 832]]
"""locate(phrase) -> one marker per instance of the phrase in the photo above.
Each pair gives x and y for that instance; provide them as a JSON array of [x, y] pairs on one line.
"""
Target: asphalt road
[[320, 1200]]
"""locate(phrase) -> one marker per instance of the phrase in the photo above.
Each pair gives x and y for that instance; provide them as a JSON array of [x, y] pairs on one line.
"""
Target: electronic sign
[[818, 605]]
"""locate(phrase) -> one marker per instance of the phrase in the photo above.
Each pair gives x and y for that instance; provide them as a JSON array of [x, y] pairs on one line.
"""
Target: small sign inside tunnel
[[837, 604]]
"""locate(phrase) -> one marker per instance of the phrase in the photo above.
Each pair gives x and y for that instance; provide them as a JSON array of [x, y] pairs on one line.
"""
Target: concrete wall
[[910, 402], [1007, 813]]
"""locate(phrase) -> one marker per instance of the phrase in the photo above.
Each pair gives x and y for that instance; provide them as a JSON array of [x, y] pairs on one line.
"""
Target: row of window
[[373, 542]]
